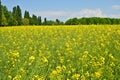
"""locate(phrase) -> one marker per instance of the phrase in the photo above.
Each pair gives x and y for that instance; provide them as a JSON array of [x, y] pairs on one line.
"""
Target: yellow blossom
[[111, 56], [85, 52], [15, 54], [54, 72], [87, 74], [17, 77], [9, 77], [31, 58], [76, 76], [97, 74]]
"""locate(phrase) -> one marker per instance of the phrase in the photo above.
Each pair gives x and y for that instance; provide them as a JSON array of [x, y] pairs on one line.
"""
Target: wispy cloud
[[51, 13], [116, 7]]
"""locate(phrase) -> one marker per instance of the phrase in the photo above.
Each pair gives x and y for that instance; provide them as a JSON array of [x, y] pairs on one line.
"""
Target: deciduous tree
[[4, 20], [39, 20]]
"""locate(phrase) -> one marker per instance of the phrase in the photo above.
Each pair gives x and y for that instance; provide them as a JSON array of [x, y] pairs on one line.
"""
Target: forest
[[15, 18]]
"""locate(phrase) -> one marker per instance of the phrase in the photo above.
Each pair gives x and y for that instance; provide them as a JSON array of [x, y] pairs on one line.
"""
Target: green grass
[[84, 52]]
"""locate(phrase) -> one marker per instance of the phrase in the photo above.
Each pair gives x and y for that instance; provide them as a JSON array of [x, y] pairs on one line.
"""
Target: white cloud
[[64, 15], [91, 12], [116, 7], [81, 13], [114, 15]]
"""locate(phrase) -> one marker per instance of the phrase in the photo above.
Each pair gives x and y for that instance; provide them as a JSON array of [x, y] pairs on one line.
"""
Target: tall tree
[[45, 21], [7, 14], [57, 21], [0, 13], [12, 21], [14, 14], [26, 14], [39, 20], [34, 18], [19, 15], [4, 20], [26, 20]]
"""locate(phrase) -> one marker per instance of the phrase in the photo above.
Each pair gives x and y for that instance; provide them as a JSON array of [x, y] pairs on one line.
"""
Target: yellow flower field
[[84, 52]]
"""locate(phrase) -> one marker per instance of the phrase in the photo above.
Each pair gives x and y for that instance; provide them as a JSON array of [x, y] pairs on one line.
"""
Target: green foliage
[[39, 20], [92, 20], [25, 21], [45, 21], [73, 21], [26, 15], [33, 20], [57, 21], [19, 15], [4, 20]]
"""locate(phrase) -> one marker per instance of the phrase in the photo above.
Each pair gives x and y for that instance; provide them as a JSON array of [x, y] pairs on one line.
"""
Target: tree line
[[14, 18], [92, 20]]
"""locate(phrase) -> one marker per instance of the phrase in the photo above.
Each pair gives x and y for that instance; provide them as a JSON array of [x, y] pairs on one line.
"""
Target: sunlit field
[[84, 52]]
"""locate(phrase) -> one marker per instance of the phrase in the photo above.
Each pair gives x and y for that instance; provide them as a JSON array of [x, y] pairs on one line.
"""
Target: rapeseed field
[[84, 52]]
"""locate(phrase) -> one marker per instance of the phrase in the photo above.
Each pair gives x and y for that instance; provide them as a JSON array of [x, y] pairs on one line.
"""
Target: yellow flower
[[15, 54], [9, 77], [82, 77], [103, 45], [73, 69], [41, 78], [111, 56], [63, 67], [36, 76], [85, 52], [61, 59], [44, 59], [112, 64], [67, 45], [102, 59], [17, 77], [76, 76], [87, 74], [97, 74], [54, 72], [59, 69], [22, 69], [31, 58]]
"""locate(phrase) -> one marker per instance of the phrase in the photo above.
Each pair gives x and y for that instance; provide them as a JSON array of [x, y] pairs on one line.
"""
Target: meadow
[[83, 52]]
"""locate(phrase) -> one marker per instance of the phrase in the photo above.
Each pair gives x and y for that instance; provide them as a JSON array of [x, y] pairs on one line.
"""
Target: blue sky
[[64, 9]]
